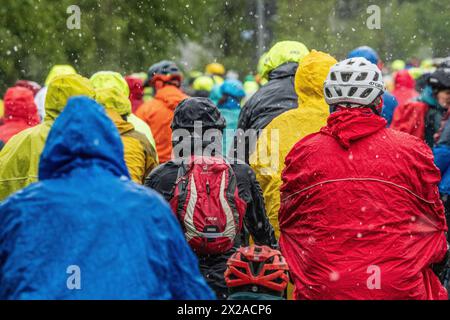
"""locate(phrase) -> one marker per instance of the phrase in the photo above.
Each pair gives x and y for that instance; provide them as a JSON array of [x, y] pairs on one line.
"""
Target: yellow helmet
[[282, 52], [215, 68]]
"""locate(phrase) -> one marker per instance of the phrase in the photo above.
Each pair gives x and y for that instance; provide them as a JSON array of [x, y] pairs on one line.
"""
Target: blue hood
[[82, 136], [123, 238], [427, 97], [231, 104]]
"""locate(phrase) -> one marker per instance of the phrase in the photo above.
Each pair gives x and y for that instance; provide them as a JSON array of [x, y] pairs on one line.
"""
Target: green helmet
[[416, 72], [203, 83], [427, 64], [282, 52], [398, 65], [250, 87]]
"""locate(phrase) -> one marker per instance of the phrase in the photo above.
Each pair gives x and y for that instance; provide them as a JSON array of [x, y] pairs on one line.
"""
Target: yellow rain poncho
[[140, 156], [277, 139], [19, 159], [111, 79]]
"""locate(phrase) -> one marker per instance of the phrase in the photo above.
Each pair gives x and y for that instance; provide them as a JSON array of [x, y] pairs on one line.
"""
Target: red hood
[[33, 86], [136, 86], [19, 105], [404, 80], [171, 96], [349, 125]]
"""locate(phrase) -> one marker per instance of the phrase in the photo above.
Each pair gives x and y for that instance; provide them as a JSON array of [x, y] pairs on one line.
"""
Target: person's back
[[360, 203], [85, 231], [139, 155], [404, 90], [165, 78], [442, 159], [232, 92], [422, 118], [112, 92], [280, 135], [19, 158], [276, 96], [164, 178], [136, 86], [20, 112]]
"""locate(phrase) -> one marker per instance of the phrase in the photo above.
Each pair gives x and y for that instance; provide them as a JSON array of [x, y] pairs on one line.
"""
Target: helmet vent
[[376, 77], [333, 76], [328, 93], [366, 93], [352, 91], [362, 76], [338, 91], [346, 76]]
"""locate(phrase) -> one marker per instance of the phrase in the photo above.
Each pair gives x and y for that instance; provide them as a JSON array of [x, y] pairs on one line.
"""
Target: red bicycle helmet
[[259, 268]]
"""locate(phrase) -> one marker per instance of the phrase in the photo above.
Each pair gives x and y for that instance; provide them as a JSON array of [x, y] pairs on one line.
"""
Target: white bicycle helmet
[[353, 83]]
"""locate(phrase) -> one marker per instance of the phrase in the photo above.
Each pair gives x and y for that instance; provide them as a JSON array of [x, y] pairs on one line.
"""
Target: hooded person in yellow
[[281, 134], [111, 79], [56, 71], [19, 159], [140, 156]]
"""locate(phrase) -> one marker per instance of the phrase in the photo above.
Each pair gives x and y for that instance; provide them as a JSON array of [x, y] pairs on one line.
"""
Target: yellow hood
[[282, 52], [59, 70], [311, 75], [113, 99], [283, 132], [110, 79], [61, 88]]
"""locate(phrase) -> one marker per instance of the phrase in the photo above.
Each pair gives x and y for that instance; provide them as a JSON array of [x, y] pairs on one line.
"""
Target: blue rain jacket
[[389, 105], [442, 159], [85, 230]]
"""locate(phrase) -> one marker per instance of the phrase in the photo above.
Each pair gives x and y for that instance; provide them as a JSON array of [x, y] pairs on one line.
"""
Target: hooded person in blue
[[389, 101], [442, 159], [85, 230], [231, 92]]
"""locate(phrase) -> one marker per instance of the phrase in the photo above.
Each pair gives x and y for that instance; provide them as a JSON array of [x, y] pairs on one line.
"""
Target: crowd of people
[[311, 179]]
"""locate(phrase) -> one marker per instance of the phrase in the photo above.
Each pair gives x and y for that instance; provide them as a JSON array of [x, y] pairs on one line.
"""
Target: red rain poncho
[[20, 112], [360, 214]]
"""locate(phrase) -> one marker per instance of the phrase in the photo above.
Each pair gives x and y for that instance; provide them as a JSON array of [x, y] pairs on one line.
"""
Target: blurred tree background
[[128, 36]]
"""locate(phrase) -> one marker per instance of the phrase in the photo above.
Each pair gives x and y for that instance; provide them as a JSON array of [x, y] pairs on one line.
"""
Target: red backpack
[[207, 203]]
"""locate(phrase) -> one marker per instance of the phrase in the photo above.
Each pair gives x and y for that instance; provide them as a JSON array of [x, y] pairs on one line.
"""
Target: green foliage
[[414, 28], [128, 36]]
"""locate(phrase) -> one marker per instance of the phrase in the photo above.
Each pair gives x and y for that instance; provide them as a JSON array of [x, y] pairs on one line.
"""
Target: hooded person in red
[[20, 112], [33, 86], [405, 85], [136, 86], [360, 214]]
